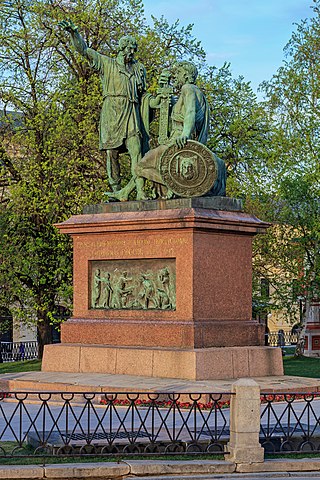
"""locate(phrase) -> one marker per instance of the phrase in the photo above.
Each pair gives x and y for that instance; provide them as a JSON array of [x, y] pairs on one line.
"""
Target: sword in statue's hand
[[165, 90]]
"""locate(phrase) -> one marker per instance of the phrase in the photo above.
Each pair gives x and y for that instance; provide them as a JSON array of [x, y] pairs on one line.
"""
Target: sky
[[250, 34]]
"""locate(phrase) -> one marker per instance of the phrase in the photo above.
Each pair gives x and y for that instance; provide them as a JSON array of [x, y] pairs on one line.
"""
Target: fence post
[[244, 446]]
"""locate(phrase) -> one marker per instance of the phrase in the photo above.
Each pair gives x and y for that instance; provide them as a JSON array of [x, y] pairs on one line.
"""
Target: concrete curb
[[25, 471], [149, 468], [141, 468], [87, 470], [281, 465]]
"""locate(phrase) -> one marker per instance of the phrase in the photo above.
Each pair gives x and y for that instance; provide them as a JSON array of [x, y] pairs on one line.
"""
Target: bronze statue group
[[125, 118]]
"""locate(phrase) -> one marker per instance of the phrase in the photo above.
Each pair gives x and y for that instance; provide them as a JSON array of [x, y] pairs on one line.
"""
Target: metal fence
[[113, 423], [290, 422], [281, 339], [18, 351]]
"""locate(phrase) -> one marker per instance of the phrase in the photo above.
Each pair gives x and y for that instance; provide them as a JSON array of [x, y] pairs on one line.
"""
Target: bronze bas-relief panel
[[148, 284]]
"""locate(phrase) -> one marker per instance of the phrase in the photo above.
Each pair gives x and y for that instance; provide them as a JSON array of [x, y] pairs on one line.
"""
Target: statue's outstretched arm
[[78, 42]]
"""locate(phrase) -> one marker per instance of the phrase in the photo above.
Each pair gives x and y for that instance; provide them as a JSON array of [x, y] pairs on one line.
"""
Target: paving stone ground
[[170, 470], [57, 381], [44, 381]]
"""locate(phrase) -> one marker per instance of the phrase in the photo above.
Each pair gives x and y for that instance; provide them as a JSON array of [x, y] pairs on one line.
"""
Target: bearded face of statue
[[178, 78], [128, 53], [127, 48]]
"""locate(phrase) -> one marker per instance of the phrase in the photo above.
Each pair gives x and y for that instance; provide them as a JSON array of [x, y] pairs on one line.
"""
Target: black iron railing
[[290, 422], [113, 423], [18, 351], [116, 424]]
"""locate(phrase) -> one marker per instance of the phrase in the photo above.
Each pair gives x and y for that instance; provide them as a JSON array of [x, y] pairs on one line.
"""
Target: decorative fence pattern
[[17, 351], [111, 423], [290, 422], [280, 339]]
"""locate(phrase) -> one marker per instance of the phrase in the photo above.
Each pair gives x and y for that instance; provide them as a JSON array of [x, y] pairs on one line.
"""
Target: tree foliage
[[50, 163], [290, 256], [50, 166], [239, 130]]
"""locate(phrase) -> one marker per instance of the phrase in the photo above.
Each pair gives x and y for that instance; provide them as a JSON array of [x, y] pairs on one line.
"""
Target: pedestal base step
[[193, 364]]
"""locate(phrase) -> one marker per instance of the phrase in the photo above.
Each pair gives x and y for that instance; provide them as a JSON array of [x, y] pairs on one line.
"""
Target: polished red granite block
[[212, 254], [208, 332]]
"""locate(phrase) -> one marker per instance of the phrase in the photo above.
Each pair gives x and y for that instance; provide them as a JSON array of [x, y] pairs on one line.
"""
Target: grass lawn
[[302, 366], [16, 367]]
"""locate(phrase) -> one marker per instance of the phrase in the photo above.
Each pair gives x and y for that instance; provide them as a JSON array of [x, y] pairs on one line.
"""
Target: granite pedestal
[[208, 333]]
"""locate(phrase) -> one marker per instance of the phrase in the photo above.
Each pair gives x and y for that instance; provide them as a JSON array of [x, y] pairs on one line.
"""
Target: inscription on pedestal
[[148, 284]]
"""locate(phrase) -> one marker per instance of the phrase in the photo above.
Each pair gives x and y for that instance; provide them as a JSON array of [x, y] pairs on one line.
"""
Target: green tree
[[239, 130], [53, 149], [289, 255]]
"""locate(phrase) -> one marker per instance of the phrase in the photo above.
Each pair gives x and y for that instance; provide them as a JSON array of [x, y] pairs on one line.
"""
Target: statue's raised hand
[[68, 25], [164, 78], [181, 141]]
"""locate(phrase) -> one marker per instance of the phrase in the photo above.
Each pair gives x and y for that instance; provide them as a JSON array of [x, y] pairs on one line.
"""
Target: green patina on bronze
[[182, 166], [123, 84], [124, 126], [133, 284]]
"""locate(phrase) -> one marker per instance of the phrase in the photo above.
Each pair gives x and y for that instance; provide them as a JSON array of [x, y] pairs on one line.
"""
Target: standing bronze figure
[[123, 84]]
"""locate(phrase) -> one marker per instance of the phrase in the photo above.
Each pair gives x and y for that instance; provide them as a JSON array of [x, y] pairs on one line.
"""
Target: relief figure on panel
[[163, 299], [107, 291], [165, 293], [96, 288], [121, 291], [147, 292]]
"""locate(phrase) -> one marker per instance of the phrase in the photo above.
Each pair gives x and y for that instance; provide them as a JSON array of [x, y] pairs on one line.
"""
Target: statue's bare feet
[[170, 194], [120, 196], [142, 196]]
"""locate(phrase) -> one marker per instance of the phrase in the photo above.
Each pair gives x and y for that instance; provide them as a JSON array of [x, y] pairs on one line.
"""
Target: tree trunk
[[299, 351], [44, 334]]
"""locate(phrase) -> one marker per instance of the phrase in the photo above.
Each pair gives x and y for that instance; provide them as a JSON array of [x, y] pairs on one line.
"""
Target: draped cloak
[[122, 89], [149, 166]]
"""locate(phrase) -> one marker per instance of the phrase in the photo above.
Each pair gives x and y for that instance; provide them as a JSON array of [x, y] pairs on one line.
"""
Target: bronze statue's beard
[[128, 59]]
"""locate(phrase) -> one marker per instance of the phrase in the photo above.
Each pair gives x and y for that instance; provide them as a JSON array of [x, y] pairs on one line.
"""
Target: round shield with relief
[[190, 171]]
